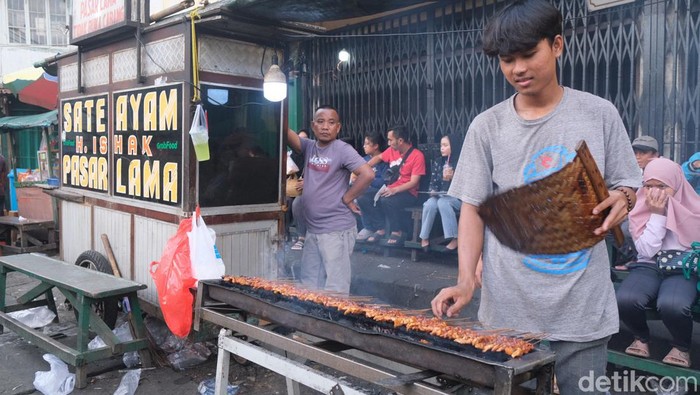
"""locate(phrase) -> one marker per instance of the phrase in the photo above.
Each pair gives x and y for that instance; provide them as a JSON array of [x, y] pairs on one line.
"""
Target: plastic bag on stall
[[129, 383], [57, 381], [205, 257], [173, 278], [199, 133]]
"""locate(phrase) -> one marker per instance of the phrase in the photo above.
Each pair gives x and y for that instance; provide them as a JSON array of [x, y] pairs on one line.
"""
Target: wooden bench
[[21, 230], [82, 287], [650, 365]]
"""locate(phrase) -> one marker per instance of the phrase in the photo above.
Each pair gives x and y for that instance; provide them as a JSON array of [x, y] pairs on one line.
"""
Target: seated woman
[[666, 218], [442, 171]]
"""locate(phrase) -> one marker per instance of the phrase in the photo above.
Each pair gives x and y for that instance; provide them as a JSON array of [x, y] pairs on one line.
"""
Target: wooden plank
[[82, 306], [41, 340], [652, 366], [24, 250], [93, 284], [25, 306], [15, 221], [34, 293]]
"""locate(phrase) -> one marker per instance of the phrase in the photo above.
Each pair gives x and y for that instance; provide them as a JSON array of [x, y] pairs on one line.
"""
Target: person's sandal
[[454, 247], [425, 245], [395, 240], [677, 357], [376, 236], [639, 349], [364, 234], [298, 246]]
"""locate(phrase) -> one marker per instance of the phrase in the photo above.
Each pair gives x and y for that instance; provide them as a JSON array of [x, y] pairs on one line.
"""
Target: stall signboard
[[91, 19], [84, 143], [147, 143]]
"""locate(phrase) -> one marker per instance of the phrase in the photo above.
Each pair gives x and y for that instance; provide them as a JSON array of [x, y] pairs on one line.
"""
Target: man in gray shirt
[[329, 202], [528, 136]]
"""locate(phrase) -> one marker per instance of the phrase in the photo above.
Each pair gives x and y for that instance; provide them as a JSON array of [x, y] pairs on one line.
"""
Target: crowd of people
[[382, 205], [528, 136]]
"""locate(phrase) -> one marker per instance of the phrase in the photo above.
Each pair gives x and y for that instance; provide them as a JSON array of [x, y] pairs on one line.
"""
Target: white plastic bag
[[123, 332], [291, 165], [36, 317], [204, 256], [57, 381], [129, 383], [199, 133]]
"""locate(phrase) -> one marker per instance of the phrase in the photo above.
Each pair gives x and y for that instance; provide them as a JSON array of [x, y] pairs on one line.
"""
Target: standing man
[[526, 137], [646, 149], [329, 202]]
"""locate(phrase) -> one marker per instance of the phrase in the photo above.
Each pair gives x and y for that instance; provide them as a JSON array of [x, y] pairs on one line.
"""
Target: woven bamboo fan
[[553, 215]]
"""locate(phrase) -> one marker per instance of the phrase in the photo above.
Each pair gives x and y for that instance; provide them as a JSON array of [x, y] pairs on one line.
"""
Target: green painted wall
[[294, 104]]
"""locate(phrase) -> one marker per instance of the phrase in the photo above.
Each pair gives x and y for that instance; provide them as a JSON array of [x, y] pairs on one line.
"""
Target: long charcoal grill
[[420, 350]]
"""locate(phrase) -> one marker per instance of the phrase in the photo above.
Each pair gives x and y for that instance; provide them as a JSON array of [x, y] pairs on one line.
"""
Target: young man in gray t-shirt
[[530, 135], [329, 202]]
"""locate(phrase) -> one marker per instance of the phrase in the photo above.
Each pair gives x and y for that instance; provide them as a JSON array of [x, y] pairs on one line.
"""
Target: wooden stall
[[127, 166]]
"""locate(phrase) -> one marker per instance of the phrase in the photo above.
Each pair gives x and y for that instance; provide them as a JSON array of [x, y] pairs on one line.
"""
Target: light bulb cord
[[194, 14]]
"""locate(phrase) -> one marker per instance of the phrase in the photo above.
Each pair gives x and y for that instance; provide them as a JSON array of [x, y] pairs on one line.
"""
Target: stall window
[[244, 143]]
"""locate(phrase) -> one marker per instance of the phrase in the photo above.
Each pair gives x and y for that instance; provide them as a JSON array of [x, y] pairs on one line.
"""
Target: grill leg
[[292, 387], [504, 382], [544, 380], [222, 365]]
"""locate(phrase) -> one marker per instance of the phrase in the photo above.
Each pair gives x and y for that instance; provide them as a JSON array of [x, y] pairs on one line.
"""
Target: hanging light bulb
[[275, 82], [343, 55]]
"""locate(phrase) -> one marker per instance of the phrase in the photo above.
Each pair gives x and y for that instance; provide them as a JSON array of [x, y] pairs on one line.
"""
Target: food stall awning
[[274, 21], [29, 121], [33, 86], [311, 11]]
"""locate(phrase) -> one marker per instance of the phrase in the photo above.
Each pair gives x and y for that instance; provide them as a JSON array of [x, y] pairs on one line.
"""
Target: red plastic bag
[[173, 278]]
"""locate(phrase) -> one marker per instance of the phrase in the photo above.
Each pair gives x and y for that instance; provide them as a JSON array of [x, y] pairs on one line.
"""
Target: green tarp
[[30, 121]]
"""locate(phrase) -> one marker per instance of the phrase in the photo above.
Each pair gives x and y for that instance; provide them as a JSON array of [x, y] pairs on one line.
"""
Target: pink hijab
[[683, 212]]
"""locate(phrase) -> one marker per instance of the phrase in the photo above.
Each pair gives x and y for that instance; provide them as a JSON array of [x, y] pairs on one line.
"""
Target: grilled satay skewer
[[487, 341]]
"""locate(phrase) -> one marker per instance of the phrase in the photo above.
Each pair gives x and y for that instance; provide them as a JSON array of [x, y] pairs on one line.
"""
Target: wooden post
[[110, 256]]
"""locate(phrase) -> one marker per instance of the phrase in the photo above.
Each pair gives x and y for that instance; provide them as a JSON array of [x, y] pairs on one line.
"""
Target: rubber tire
[[109, 308]]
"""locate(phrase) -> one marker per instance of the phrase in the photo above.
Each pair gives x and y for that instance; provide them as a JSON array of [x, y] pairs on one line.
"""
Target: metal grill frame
[[501, 376], [432, 76]]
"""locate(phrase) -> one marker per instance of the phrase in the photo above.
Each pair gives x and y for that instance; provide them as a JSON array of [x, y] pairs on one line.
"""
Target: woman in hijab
[[664, 224]]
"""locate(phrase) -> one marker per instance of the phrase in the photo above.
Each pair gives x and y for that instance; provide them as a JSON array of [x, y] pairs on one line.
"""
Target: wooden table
[[82, 287], [20, 229]]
